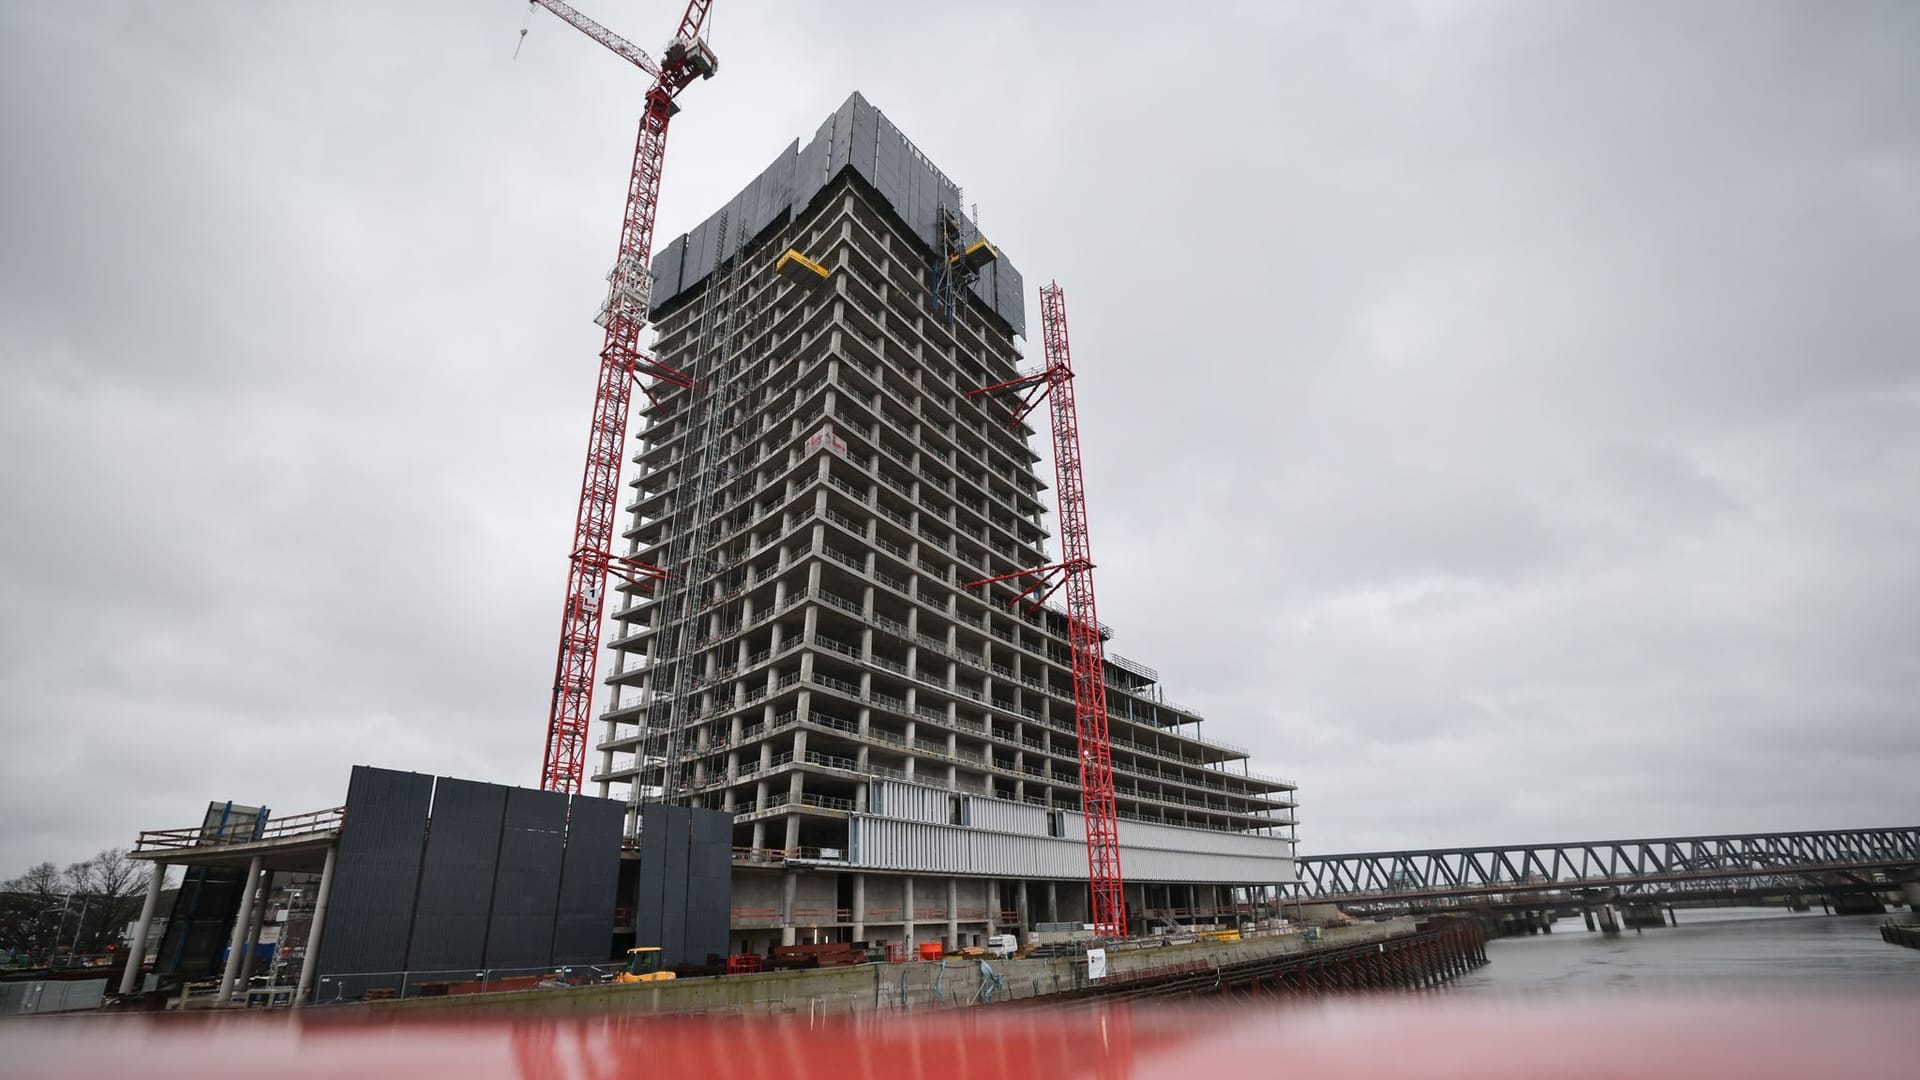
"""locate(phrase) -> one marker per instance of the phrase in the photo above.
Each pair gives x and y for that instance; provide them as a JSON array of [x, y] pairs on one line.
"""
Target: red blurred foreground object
[[1804, 1032]]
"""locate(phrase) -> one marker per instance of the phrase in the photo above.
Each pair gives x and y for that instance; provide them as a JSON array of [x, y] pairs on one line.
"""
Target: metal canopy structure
[[1441, 872]]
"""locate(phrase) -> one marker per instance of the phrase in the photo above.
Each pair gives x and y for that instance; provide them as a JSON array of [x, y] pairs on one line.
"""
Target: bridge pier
[[1643, 917], [1609, 919], [1858, 903], [1910, 892]]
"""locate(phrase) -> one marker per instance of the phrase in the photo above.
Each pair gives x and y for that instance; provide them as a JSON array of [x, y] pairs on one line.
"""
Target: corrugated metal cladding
[[438, 877], [907, 827], [456, 878], [909, 802], [684, 901], [859, 137], [883, 843], [1001, 815], [1174, 838], [886, 844]]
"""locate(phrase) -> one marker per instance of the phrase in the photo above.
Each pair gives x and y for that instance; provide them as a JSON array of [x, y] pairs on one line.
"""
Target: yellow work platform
[[799, 269]]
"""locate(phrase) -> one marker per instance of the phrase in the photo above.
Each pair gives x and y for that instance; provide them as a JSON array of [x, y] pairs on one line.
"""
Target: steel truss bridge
[[1825, 859]]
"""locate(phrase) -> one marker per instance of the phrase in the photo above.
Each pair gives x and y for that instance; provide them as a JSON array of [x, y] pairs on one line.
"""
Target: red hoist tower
[[623, 366], [1074, 573]]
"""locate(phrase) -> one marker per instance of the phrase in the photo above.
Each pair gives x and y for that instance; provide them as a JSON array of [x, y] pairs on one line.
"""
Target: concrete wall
[[756, 890], [871, 987], [883, 895], [815, 893]]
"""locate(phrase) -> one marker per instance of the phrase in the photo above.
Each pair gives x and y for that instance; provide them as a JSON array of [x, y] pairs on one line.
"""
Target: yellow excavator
[[643, 965]]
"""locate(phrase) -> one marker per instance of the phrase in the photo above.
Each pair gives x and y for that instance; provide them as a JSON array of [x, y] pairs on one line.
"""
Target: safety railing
[[319, 821]]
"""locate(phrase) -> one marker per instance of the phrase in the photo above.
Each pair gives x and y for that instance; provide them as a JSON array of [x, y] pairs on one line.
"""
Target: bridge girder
[[1438, 872]]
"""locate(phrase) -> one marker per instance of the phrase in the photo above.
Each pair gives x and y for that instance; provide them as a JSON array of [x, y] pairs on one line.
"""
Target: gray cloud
[[1501, 417]]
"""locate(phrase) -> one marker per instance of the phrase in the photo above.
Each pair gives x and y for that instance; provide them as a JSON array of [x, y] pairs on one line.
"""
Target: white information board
[[1096, 964]]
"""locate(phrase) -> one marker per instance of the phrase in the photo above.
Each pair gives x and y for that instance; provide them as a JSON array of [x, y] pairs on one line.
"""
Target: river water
[[1724, 947]]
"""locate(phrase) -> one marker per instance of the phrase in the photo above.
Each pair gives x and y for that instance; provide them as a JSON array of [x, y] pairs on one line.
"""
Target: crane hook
[[523, 33]]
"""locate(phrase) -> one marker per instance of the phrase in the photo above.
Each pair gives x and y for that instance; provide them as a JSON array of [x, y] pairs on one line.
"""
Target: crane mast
[[623, 366], [1074, 574]]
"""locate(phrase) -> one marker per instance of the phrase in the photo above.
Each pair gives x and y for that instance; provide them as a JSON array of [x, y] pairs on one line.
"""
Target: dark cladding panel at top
[[526, 885], [858, 137], [376, 872], [666, 267], [838, 157], [456, 879], [866, 127], [810, 168], [584, 928]]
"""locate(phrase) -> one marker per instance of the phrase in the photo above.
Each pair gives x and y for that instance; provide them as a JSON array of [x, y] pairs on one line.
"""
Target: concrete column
[[253, 933], [1910, 892], [1053, 901], [311, 963], [953, 913], [906, 912], [789, 884], [137, 948], [1021, 910], [859, 907], [237, 941]]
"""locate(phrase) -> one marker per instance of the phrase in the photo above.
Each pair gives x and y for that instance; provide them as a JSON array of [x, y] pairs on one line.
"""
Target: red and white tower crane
[[1074, 573], [623, 366]]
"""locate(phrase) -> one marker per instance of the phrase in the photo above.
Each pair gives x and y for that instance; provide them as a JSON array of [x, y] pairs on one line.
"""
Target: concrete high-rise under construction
[[898, 749]]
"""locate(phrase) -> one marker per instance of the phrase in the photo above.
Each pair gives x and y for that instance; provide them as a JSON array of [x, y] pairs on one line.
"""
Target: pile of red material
[[827, 954]]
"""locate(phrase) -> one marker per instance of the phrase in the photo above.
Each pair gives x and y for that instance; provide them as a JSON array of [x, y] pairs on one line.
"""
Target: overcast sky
[[1503, 418]]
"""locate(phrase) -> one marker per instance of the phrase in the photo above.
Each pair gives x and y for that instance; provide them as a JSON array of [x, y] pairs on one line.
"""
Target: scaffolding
[[708, 402]]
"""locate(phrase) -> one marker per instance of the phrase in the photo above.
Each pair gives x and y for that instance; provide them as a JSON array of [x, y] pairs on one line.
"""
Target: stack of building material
[[826, 954]]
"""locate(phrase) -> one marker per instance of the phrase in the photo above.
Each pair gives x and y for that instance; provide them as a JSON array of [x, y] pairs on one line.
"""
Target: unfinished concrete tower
[[898, 750]]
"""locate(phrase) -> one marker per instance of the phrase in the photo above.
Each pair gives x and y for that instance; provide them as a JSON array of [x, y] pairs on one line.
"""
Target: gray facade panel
[[526, 883], [887, 174], [456, 876], [650, 896], [709, 883], [583, 931], [810, 168], [686, 875], [842, 146], [376, 877], [666, 267], [861, 151]]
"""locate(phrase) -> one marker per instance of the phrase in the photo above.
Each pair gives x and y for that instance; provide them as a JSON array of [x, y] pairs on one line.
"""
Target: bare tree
[[83, 908], [31, 907]]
